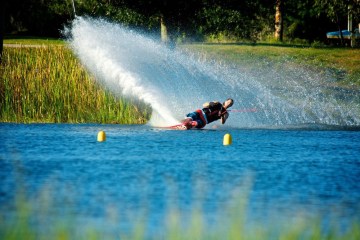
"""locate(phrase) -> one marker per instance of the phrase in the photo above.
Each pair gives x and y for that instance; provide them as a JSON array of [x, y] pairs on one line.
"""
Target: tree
[[337, 10], [163, 27], [247, 19], [279, 25], [39, 18], [304, 21], [174, 16]]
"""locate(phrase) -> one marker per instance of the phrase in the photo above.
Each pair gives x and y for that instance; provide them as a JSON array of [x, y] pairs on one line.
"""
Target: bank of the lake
[[342, 63], [47, 83]]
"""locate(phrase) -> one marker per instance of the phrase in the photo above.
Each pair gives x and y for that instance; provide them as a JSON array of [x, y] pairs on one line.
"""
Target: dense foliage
[[188, 19]]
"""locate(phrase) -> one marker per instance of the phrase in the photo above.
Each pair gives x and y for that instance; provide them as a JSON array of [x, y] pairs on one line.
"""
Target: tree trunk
[[164, 33], [350, 26], [279, 20], [340, 30]]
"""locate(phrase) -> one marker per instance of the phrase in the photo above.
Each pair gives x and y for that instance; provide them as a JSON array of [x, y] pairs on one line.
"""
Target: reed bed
[[48, 84]]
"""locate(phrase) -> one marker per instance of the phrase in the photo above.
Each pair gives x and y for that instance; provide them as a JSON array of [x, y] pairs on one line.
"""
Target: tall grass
[[48, 84]]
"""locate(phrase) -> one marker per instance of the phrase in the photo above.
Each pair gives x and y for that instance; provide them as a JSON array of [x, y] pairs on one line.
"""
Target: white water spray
[[174, 83]]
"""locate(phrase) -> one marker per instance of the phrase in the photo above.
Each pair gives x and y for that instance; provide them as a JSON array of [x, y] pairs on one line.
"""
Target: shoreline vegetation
[[342, 62], [48, 84]]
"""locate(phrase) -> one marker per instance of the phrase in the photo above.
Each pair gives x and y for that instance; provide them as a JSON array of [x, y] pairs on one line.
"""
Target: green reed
[[48, 84]]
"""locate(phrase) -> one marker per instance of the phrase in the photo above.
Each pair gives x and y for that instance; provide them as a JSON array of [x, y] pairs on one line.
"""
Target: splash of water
[[175, 82]]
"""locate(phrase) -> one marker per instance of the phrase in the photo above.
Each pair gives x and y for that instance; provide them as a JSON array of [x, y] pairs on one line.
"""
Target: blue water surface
[[142, 172]]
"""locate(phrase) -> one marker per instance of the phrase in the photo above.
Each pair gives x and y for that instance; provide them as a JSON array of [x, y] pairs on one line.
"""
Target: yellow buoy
[[101, 136], [227, 139]]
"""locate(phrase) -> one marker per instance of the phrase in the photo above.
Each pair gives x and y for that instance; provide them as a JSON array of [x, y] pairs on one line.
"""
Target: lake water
[[143, 171]]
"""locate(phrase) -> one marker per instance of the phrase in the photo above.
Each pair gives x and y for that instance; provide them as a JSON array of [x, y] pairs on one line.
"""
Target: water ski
[[180, 126], [186, 124]]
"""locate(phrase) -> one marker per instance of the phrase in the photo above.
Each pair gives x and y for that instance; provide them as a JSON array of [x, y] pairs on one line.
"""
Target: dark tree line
[[189, 19]]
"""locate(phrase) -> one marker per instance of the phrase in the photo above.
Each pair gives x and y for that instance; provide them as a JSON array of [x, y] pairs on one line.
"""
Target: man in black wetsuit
[[211, 111]]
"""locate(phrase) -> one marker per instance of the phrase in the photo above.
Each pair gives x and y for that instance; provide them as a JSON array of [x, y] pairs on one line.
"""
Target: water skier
[[211, 112]]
